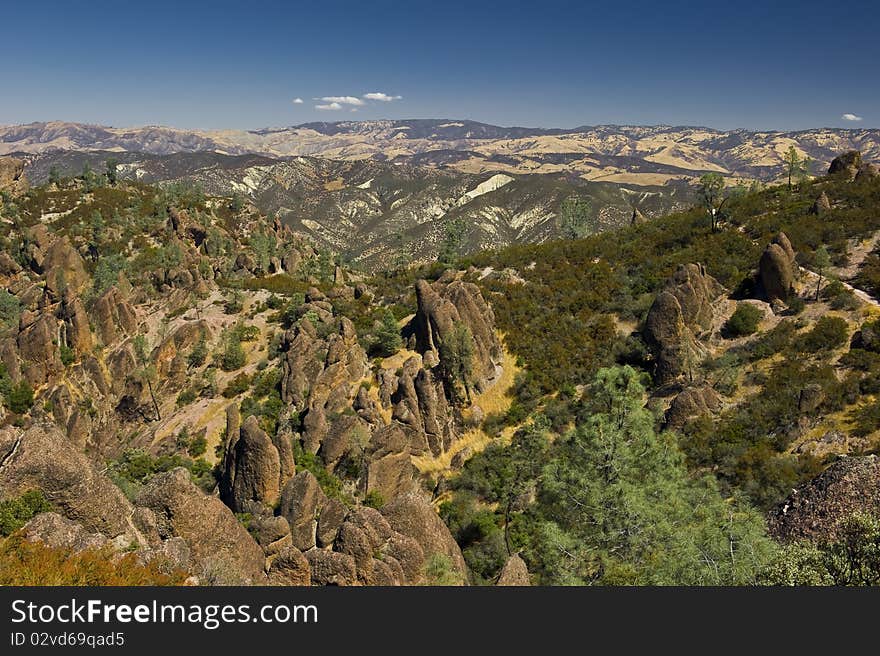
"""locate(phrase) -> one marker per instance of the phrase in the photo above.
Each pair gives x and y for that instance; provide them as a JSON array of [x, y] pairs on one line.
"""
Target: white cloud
[[342, 100], [382, 97], [297, 101], [851, 117], [331, 107]]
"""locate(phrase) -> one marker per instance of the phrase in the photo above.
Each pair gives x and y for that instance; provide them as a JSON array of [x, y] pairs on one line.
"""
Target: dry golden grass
[[334, 185], [493, 400]]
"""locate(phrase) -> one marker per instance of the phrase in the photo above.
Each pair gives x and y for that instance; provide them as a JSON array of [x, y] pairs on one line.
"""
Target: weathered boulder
[[846, 164], [302, 501], [8, 266], [331, 568], [355, 543], [777, 269], [40, 458], [330, 520], [691, 402], [58, 532], [222, 550], [12, 178], [813, 511], [65, 269], [271, 532], [412, 515], [290, 567], [514, 572], [681, 310], [113, 316], [637, 217], [253, 472]]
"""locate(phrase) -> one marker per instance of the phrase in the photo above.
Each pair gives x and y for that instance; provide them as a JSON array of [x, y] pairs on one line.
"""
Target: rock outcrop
[[814, 511], [41, 458], [253, 472], [421, 407], [777, 270], [65, 269], [690, 403], [821, 205], [846, 164], [321, 375], [442, 307], [637, 217], [113, 316], [514, 572], [869, 171], [680, 312], [412, 515], [222, 550], [12, 178]]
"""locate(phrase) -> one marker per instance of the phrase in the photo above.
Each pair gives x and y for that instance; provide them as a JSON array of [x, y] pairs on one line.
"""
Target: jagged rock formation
[[321, 375], [113, 316], [813, 511], [680, 312], [846, 164], [420, 405], [637, 217], [448, 304], [777, 269]]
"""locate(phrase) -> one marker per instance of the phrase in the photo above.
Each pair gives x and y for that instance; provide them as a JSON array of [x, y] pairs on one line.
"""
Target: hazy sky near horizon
[[757, 65]]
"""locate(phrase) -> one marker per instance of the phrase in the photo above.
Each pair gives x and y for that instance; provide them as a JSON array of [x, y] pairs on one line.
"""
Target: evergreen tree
[[622, 508]]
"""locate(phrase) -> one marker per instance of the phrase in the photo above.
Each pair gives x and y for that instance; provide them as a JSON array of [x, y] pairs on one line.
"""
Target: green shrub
[[186, 397], [236, 386], [199, 354], [68, 355], [197, 446], [744, 320], [826, 334], [15, 513], [374, 499], [20, 398], [233, 356]]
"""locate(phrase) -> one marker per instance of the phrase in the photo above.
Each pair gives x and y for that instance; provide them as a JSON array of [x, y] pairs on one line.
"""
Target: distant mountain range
[[653, 155], [376, 213]]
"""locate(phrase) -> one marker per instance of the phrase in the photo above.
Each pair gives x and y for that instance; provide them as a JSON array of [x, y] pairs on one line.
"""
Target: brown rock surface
[[514, 572], [222, 550], [413, 516], [41, 458], [813, 511]]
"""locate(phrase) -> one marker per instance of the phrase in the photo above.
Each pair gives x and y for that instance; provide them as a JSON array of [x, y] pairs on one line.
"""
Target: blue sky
[[759, 65]]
